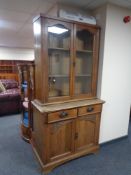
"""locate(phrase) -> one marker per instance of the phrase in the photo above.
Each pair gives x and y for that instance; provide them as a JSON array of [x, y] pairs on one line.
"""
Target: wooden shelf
[[9, 65], [59, 76], [5, 68], [66, 76], [57, 48], [84, 51], [83, 75], [65, 49]]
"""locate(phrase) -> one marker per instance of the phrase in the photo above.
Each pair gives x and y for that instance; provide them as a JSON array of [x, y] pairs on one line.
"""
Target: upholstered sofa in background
[[10, 97]]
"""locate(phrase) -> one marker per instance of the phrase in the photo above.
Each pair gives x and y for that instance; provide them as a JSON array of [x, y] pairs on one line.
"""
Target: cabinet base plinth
[[50, 166]]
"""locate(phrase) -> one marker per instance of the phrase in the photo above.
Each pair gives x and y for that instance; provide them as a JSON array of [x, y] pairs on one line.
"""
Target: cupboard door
[[86, 51], [59, 57], [60, 139], [87, 130]]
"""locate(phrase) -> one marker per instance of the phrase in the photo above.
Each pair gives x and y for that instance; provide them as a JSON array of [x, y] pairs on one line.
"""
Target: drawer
[[62, 115], [89, 109]]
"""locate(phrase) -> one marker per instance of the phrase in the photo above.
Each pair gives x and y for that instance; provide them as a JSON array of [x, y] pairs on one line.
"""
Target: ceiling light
[[57, 30]]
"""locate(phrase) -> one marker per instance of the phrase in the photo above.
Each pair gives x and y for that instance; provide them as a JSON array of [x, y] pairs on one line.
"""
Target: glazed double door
[[72, 52], [72, 136]]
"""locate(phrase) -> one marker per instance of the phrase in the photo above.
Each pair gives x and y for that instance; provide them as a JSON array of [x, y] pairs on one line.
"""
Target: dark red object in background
[[127, 19]]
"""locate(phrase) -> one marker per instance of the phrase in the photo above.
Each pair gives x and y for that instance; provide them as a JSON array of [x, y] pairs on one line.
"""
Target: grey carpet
[[17, 158]]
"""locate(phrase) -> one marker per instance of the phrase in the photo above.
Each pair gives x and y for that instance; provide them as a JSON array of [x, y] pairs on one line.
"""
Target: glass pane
[[59, 60], [84, 55], [84, 40], [58, 37]]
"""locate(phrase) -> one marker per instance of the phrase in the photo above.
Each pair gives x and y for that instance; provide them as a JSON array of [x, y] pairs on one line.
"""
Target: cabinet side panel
[[37, 135], [38, 65], [98, 119], [40, 61]]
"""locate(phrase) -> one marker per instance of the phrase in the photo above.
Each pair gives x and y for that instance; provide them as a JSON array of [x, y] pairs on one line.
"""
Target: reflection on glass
[[84, 54], [84, 40], [58, 56], [58, 29]]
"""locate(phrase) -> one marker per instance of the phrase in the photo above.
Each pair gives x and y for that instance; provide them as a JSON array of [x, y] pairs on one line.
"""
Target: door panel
[[59, 44], [84, 61], [60, 139], [87, 128], [85, 50]]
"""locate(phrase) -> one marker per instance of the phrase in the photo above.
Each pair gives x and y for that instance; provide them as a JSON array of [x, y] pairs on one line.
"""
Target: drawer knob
[[90, 109], [63, 114]]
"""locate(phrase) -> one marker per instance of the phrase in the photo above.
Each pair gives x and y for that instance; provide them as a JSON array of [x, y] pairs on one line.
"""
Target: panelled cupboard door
[[59, 49], [87, 129], [86, 57], [60, 139]]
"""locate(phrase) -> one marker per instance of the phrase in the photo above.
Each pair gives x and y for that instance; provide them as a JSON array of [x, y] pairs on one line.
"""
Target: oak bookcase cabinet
[[66, 111]]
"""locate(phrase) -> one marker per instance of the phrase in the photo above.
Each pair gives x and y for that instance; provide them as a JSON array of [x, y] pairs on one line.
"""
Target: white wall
[[16, 54], [115, 71], [100, 15]]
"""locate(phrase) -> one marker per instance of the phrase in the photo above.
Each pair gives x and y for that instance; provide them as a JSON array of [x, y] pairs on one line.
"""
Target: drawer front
[[89, 109], [62, 115]]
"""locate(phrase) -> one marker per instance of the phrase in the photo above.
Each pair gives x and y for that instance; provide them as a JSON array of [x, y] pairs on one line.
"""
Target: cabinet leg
[[96, 151]]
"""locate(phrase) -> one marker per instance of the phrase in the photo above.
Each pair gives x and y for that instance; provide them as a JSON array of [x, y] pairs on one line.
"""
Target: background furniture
[[8, 71], [10, 98], [12, 63], [66, 111], [26, 79]]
